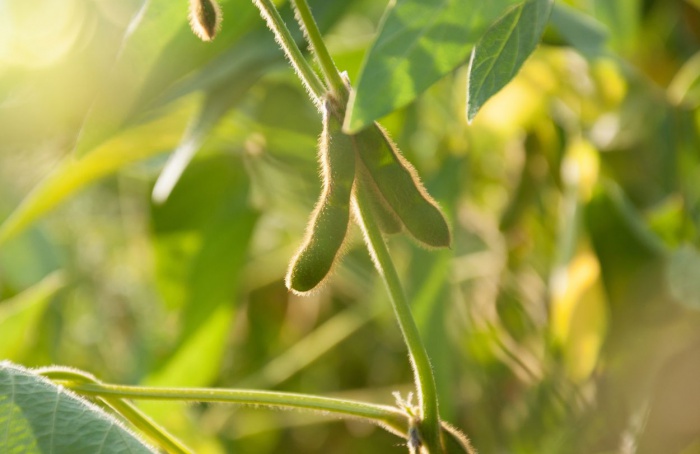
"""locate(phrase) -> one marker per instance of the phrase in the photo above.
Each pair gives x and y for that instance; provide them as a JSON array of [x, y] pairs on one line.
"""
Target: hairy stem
[[311, 82], [313, 35], [425, 382], [390, 418]]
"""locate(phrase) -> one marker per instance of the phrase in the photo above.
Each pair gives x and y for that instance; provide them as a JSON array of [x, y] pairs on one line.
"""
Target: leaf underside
[[36, 416]]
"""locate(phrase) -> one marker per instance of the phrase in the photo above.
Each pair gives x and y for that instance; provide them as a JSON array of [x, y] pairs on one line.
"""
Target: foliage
[[562, 319]]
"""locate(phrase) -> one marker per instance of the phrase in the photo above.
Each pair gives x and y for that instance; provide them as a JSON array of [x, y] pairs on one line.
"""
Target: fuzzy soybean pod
[[329, 222], [385, 217], [205, 18], [397, 183]]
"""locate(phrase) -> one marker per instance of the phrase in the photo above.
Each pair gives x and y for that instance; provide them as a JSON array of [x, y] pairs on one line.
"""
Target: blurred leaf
[[630, 257], [669, 221], [216, 104], [419, 42], [201, 235], [578, 313], [502, 50], [683, 274], [685, 86], [72, 174], [158, 50], [27, 259], [317, 343], [21, 315], [622, 18], [29, 424], [583, 32], [198, 360]]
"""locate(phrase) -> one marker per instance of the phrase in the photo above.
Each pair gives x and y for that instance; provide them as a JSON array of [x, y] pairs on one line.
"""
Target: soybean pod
[[329, 222], [385, 217], [205, 18], [398, 185]]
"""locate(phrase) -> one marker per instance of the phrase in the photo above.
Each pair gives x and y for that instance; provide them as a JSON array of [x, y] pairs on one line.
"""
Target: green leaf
[[72, 174], [37, 416], [201, 235], [622, 18], [20, 316], [158, 49], [216, 104], [419, 42], [28, 259], [583, 32], [503, 49]]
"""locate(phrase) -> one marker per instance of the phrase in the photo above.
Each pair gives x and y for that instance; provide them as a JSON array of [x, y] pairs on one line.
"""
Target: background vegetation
[[563, 319]]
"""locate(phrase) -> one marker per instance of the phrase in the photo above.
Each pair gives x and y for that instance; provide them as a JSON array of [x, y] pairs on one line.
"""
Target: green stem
[[128, 410], [313, 35], [425, 382], [144, 422], [390, 418], [313, 84]]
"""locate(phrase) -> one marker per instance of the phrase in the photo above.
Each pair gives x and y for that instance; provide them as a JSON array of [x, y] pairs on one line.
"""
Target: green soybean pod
[[399, 185], [385, 217], [205, 18], [329, 222]]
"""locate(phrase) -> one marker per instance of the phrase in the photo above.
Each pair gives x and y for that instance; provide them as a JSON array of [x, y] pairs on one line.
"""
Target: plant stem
[[425, 382], [147, 425], [389, 418], [313, 35], [313, 84]]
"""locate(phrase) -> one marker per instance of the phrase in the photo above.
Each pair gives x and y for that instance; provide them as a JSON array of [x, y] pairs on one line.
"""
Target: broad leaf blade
[[503, 49], [36, 416], [419, 42]]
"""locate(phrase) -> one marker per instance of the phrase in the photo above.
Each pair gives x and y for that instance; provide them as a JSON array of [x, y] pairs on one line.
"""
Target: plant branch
[[425, 382], [390, 418], [313, 36], [311, 82]]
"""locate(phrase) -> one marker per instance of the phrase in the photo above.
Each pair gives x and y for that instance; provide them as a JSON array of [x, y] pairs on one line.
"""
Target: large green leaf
[[503, 49], [419, 42], [37, 416]]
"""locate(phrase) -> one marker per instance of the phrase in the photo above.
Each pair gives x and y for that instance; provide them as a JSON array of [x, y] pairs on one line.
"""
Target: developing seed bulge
[[329, 222], [399, 185], [385, 217], [205, 18]]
